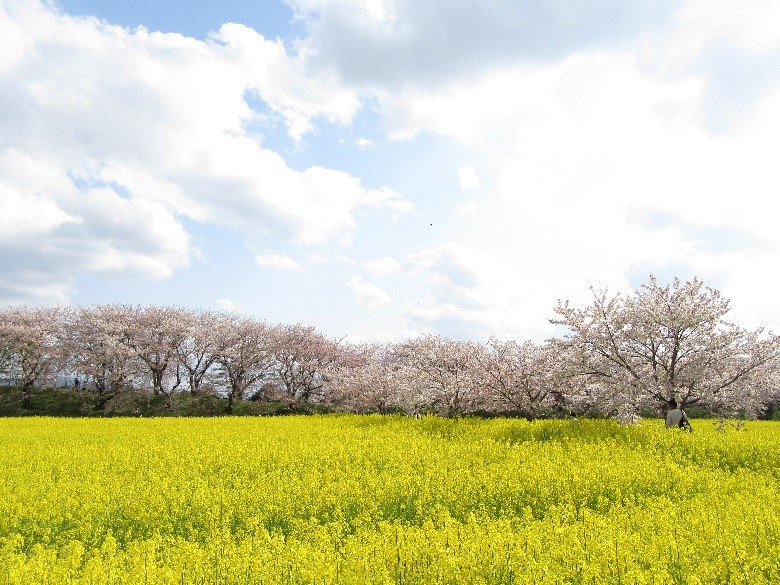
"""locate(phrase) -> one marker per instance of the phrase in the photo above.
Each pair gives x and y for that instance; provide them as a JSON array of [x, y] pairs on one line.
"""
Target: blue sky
[[385, 168]]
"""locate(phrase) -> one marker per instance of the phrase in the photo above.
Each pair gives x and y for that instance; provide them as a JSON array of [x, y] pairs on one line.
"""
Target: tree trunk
[[27, 397]]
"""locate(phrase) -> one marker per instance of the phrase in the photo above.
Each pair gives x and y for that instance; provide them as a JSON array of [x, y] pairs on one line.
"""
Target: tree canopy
[[667, 343]]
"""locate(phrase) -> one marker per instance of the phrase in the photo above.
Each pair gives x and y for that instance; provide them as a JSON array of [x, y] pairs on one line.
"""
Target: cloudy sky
[[382, 168]]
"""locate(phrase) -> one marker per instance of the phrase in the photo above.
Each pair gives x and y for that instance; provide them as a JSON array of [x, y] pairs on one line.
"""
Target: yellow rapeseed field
[[369, 499]]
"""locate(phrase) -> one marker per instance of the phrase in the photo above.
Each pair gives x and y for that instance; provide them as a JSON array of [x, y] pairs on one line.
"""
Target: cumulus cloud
[[367, 294], [471, 294], [382, 266], [401, 43], [467, 208], [701, 22], [228, 305], [585, 151], [317, 259], [112, 136], [734, 50], [276, 261], [388, 199], [50, 231], [612, 139], [468, 178]]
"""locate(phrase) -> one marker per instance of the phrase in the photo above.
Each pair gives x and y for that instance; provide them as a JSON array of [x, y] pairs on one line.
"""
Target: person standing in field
[[676, 417]]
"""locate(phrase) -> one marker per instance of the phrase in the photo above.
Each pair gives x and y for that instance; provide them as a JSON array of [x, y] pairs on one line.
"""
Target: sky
[[381, 169]]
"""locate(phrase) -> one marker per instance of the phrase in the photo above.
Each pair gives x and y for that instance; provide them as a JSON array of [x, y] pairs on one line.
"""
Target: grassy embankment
[[68, 402]]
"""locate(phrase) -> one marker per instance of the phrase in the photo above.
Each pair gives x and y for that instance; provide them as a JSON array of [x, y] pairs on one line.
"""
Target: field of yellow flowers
[[369, 499]]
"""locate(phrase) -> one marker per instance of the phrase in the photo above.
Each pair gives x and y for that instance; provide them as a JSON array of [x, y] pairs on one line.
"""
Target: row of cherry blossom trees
[[112, 349], [620, 355]]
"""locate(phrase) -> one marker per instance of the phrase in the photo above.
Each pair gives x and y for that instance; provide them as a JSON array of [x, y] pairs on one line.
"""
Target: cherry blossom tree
[[155, 333], [370, 379], [246, 355], [7, 353], [197, 353], [100, 351], [666, 343], [31, 347], [441, 373], [305, 361], [523, 377]]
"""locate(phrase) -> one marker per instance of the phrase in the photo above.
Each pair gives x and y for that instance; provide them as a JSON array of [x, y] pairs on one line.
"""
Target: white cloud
[[382, 266], [749, 26], [50, 232], [472, 293], [468, 179], [367, 294], [390, 45], [284, 82], [114, 126], [586, 151], [276, 261], [228, 305], [342, 259], [27, 213], [599, 158], [317, 259], [467, 208], [386, 198]]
